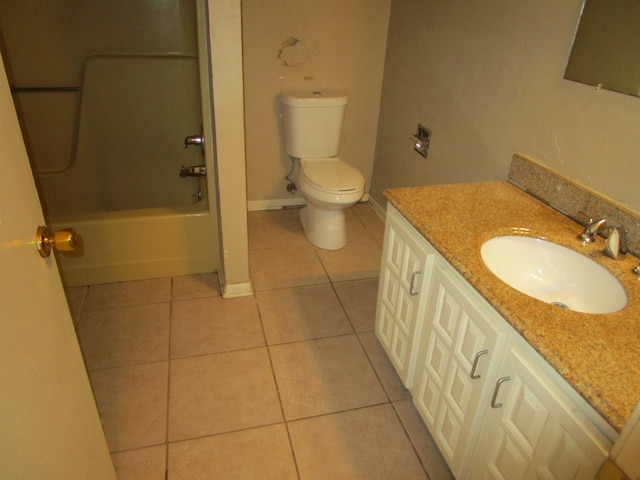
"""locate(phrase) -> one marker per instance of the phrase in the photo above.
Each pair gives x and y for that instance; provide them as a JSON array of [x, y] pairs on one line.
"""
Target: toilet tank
[[312, 121]]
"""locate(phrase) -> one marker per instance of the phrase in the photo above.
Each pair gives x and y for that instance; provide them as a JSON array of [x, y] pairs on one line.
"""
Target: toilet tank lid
[[309, 97]]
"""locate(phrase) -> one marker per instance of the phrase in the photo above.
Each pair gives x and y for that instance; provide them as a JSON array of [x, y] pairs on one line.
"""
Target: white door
[[49, 424]]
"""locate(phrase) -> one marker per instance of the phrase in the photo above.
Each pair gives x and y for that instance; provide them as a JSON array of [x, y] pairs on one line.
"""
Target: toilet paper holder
[[421, 140]]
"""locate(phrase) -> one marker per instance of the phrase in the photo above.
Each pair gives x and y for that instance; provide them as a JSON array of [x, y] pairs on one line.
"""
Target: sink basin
[[553, 274]]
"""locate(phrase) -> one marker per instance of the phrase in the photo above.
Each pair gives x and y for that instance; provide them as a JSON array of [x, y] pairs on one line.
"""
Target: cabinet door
[[532, 430], [406, 268], [461, 348]]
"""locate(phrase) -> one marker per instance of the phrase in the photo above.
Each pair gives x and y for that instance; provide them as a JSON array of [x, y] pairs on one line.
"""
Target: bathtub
[[137, 244], [118, 183]]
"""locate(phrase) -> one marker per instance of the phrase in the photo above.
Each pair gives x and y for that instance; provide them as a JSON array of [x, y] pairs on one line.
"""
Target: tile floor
[[290, 383]]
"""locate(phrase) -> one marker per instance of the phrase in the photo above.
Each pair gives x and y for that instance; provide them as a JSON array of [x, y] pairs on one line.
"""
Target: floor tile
[[285, 267], [195, 286], [275, 228], [115, 337], [171, 361], [356, 260], [259, 453], [356, 231], [132, 402], [214, 324], [383, 367], [75, 299], [371, 221], [367, 443], [423, 442], [221, 393], [128, 293], [141, 464], [359, 299], [324, 376], [301, 313]]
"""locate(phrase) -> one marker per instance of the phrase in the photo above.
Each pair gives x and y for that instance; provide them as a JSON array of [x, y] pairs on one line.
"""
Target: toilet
[[312, 127]]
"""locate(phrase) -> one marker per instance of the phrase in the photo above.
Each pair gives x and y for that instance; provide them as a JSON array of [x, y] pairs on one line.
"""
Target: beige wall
[[345, 47], [487, 78], [226, 66]]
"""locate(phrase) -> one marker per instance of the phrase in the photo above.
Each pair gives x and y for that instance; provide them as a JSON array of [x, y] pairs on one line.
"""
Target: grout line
[[168, 403], [269, 347], [275, 382], [406, 432]]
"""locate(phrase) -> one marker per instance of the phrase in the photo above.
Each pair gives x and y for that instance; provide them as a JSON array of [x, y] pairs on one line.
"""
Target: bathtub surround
[[103, 161], [132, 245]]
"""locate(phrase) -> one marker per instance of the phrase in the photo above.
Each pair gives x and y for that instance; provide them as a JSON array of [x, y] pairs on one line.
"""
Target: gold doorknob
[[65, 240]]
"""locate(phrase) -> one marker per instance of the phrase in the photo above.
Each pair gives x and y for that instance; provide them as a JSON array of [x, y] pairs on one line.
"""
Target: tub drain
[[561, 305]]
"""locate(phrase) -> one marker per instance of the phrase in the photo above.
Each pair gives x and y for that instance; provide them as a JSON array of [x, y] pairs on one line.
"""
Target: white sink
[[553, 274]]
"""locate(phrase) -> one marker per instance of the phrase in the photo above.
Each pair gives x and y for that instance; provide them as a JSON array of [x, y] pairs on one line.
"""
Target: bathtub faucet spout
[[195, 171], [194, 140]]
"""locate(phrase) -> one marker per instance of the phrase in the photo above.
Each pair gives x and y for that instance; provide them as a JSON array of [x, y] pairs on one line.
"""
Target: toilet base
[[325, 229]]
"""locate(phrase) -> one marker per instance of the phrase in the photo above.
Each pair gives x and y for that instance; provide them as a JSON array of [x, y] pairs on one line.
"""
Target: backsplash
[[570, 197]]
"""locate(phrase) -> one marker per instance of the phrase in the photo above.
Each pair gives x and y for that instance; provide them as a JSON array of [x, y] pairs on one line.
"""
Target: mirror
[[606, 48]]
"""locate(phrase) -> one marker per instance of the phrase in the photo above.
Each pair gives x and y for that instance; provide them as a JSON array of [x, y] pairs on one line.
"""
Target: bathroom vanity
[[508, 386]]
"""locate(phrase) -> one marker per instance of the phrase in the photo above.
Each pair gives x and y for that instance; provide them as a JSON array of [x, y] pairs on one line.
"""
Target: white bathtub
[[137, 244]]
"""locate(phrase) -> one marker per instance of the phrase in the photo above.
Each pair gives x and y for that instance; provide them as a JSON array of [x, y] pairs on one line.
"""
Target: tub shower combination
[[129, 186]]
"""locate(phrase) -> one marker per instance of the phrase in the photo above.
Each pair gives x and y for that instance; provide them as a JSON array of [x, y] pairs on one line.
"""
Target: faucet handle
[[615, 244], [587, 236], [584, 216]]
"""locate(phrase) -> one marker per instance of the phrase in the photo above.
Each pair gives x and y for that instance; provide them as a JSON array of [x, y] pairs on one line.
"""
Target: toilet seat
[[332, 175]]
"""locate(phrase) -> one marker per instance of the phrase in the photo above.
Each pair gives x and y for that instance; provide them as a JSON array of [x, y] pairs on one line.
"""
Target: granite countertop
[[598, 354]]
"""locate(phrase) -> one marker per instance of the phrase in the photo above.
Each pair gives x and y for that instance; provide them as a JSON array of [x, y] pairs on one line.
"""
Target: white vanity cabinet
[[407, 263], [533, 429], [458, 357], [494, 406]]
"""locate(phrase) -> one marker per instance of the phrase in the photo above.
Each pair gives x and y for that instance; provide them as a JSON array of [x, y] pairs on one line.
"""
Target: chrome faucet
[[616, 243], [193, 140]]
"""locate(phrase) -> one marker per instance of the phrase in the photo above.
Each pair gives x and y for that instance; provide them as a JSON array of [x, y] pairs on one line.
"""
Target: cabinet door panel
[[525, 415], [509, 463], [540, 423], [449, 429], [445, 317], [426, 396], [406, 268], [459, 389], [394, 251], [387, 298], [400, 349], [457, 329], [437, 361], [471, 341]]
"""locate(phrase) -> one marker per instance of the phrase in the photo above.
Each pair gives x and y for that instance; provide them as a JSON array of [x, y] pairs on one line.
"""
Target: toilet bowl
[[329, 186], [312, 125]]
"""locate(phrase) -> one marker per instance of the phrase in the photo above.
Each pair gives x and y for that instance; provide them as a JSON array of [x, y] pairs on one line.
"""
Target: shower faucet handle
[[195, 171], [193, 140]]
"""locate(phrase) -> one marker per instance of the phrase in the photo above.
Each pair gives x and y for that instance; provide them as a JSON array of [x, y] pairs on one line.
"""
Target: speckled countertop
[[599, 355]]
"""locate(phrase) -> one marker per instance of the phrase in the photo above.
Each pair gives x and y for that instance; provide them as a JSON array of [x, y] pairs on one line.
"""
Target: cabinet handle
[[413, 292], [495, 392], [475, 364]]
